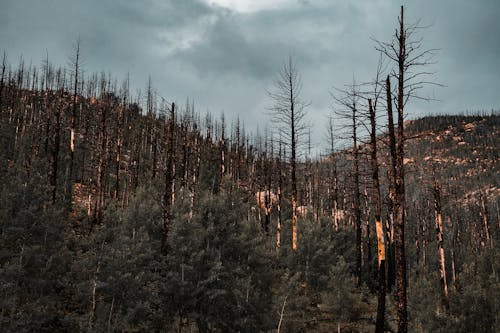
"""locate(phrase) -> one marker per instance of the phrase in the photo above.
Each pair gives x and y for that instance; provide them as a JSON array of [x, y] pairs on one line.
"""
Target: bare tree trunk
[[168, 196], [280, 185], [4, 66], [392, 185], [293, 163], [111, 308], [399, 227], [194, 181], [484, 215], [55, 152], [119, 139], [281, 315], [356, 199], [93, 303], [439, 236], [222, 150], [368, 239], [154, 161], [100, 167], [76, 64], [333, 190], [289, 112], [379, 327]]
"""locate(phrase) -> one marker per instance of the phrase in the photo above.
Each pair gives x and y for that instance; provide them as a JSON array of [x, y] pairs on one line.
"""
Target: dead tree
[[103, 138], [55, 147], [2, 77], [119, 143], [391, 172], [168, 194], [439, 237], [75, 62], [222, 170], [348, 104], [196, 168], [378, 221], [288, 113], [405, 51], [483, 211], [333, 190], [279, 199]]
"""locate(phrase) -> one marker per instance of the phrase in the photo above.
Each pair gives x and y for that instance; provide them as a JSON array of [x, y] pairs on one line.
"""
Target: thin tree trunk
[[194, 181], [154, 162], [69, 191], [367, 228], [293, 163], [222, 151], [168, 196], [100, 168], [280, 185], [439, 236], [399, 227], [356, 199], [281, 315], [111, 314], [118, 153], [93, 303], [379, 328], [4, 66], [55, 153], [391, 267], [484, 216]]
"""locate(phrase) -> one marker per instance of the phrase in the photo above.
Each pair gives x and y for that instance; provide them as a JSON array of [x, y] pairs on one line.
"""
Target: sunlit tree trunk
[[439, 236], [379, 328], [280, 185], [484, 216], [76, 69]]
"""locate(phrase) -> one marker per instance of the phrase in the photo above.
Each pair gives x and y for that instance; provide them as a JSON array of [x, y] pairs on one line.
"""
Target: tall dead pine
[[392, 185], [279, 199], [76, 68], [405, 51], [55, 147], [348, 110], [379, 328], [99, 200], [169, 181], [439, 236], [288, 112], [399, 225]]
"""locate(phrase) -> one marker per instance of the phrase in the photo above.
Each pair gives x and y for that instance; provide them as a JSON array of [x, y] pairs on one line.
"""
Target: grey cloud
[[225, 50], [226, 60]]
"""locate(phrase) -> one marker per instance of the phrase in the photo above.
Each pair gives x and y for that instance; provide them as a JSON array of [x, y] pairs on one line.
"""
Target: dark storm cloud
[[225, 50], [225, 59]]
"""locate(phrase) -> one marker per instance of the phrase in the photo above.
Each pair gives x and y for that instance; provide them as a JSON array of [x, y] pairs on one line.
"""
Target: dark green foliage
[[472, 304], [34, 259], [218, 268]]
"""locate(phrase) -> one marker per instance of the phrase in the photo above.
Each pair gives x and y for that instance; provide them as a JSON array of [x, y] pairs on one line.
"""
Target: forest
[[136, 214]]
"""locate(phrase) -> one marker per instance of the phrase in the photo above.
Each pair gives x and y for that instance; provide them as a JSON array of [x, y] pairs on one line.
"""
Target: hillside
[[464, 151], [87, 252]]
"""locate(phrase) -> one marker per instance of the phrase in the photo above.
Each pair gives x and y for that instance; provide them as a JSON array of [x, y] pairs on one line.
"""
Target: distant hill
[[463, 151]]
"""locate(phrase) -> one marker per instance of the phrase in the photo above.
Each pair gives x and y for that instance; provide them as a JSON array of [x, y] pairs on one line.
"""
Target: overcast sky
[[224, 54]]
